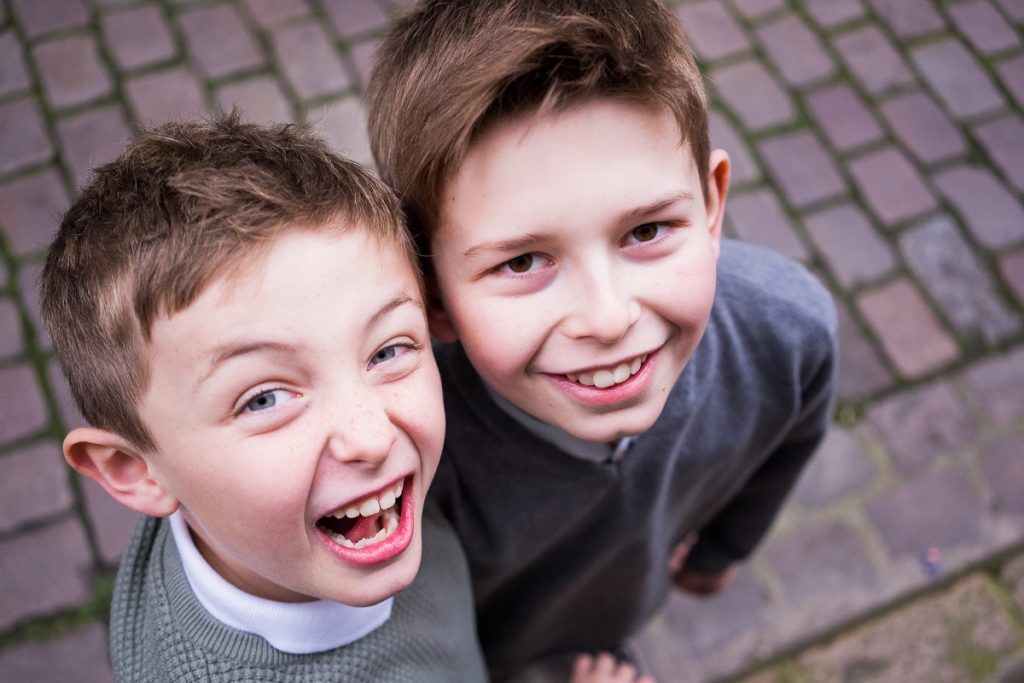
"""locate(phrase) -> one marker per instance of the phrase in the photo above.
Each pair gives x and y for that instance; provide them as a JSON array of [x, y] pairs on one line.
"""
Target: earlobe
[[119, 468], [718, 191]]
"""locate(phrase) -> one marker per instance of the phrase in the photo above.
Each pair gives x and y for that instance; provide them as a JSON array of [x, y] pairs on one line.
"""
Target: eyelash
[[405, 346], [250, 396]]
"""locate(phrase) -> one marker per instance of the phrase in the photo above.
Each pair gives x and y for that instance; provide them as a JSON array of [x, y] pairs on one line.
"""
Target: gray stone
[[752, 9], [260, 99], [796, 51], [803, 169], [1012, 268], [33, 484], [80, 656], [26, 415], [1003, 465], [364, 56], [957, 78], [343, 125], [1013, 574], [71, 71], [1003, 139], [712, 30], [1011, 73], [841, 113], [138, 36], [838, 469], [269, 13], [909, 18], [309, 61], [923, 127], [92, 138], [69, 414], [28, 282], [38, 17], [11, 339], [757, 217], [993, 215], [352, 17], [983, 26], [743, 168], [830, 13], [853, 248], [24, 140], [753, 95], [30, 210], [112, 522], [873, 60], [1013, 8], [163, 95], [998, 384], [861, 371], [12, 66], [220, 41], [891, 186]]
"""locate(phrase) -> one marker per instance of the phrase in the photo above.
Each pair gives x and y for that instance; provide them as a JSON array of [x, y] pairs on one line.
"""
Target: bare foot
[[603, 668]]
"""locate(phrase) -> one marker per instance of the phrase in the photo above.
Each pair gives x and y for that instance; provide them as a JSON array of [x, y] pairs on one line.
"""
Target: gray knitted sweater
[[568, 554], [159, 631]]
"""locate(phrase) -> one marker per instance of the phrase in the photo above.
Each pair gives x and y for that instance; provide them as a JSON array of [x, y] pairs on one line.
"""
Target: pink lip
[[390, 547], [618, 393]]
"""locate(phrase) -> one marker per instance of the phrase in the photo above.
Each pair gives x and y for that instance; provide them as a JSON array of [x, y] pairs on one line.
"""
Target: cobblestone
[[343, 125], [12, 66], [909, 333], [844, 117], [861, 371], [923, 127], [92, 138], [753, 95], [309, 61], [1011, 73], [25, 141], [260, 99], [164, 95], [26, 415], [38, 17], [11, 343], [873, 60], [352, 17], [998, 385], [829, 13], [1003, 139], [30, 210], [891, 186], [1004, 469], [1013, 8], [799, 164], [138, 36], [33, 484], [957, 78], [71, 71], [839, 468], [909, 18], [796, 51], [79, 656], [28, 281], [220, 41], [712, 30], [269, 13], [993, 215], [1012, 268], [742, 168], [364, 55], [758, 217], [1013, 574], [853, 249], [983, 26], [753, 9], [112, 522], [70, 417]]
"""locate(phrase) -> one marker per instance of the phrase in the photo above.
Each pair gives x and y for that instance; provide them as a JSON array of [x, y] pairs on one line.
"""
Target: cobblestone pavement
[[879, 141]]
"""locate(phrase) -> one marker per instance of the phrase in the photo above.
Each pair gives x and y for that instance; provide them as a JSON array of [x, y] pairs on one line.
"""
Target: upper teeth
[[370, 505], [610, 376]]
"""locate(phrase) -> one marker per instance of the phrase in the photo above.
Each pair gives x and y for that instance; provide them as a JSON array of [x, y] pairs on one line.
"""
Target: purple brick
[[12, 67], [138, 36], [309, 61], [26, 414], [24, 140], [742, 167], [11, 340], [957, 78], [220, 41], [1012, 268], [352, 17], [853, 248], [956, 279], [164, 95], [861, 371], [79, 656], [982, 24], [30, 210], [343, 125], [839, 468], [1003, 139], [1003, 465], [909, 18], [70, 417], [44, 570], [830, 13], [993, 215], [923, 127], [891, 186], [920, 425], [844, 117], [796, 51], [71, 71], [873, 60], [757, 217], [998, 384], [712, 30], [1011, 73], [269, 13], [260, 99], [112, 521], [92, 138], [908, 330], [1013, 8], [752, 9], [938, 509], [753, 95], [28, 280], [33, 484], [44, 16], [799, 164]]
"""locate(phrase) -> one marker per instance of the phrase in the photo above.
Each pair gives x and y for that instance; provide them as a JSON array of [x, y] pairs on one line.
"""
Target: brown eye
[[520, 264], [645, 232]]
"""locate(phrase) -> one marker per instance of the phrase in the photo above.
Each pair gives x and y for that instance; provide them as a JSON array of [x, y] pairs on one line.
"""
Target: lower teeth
[[390, 525]]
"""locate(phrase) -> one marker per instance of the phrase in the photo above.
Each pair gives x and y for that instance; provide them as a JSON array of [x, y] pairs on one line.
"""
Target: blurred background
[[881, 142]]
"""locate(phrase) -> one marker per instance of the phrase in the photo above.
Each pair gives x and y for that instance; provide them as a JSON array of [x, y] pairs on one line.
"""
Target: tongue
[[365, 527]]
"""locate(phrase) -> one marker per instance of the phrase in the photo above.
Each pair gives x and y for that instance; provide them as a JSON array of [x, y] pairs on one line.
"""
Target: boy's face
[[300, 389], [576, 263]]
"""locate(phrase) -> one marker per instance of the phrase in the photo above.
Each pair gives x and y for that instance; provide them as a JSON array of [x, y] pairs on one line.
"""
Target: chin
[[382, 583]]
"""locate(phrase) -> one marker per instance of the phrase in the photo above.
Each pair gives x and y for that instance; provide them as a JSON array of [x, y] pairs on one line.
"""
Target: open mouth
[[367, 521], [603, 378]]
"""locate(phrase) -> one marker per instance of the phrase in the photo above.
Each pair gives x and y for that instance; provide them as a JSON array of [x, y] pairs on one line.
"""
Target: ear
[[718, 190], [120, 468]]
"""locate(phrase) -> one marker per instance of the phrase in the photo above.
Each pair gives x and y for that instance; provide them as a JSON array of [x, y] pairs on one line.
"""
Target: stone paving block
[[1012, 268], [38, 17], [1003, 465], [309, 61], [44, 570], [752, 9], [891, 186], [1013, 575], [352, 17], [753, 95], [220, 41], [742, 168], [712, 31], [957, 78], [12, 66], [92, 138], [828, 13], [956, 279], [983, 26], [71, 71], [994, 216], [908, 330], [343, 125], [138, 36], [998, 385], [163, 95], [70, 417], [30, 210], [958, 635], [909, 18], [839, 468], [79, 656], [922, 424], [33, 484], [260, 99], [795, 50], [11, 339], [269, 13], [25, 140], [28, 283], [861, 371], [364, 56], [854, 250], [923, 127], [112, 522], [844, 117], [873, 60], [1003, 139], [26, 415], [799, 164], [758, 217], [1013, 8], [1011, 73]]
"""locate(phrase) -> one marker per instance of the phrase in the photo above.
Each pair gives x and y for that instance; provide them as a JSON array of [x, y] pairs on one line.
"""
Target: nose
[[362, 431], [604, 307]]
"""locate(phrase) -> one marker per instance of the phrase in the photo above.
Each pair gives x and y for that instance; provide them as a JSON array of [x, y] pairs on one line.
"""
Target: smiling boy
[[630, 397]]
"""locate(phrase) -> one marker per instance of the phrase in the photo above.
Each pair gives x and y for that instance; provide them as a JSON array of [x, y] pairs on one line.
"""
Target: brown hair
[[446, 70], [184, 204]]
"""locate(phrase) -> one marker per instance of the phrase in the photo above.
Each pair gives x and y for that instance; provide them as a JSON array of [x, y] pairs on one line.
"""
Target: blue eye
[[385, 354], [266, 400]]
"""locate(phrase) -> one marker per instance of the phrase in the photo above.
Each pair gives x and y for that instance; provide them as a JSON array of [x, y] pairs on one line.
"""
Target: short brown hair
[[185, 203], [446, 70]]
